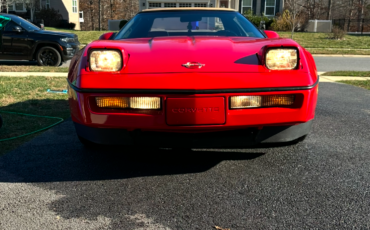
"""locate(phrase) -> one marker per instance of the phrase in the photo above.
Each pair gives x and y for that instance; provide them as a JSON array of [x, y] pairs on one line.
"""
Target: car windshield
[[25, 24], [189, 23]]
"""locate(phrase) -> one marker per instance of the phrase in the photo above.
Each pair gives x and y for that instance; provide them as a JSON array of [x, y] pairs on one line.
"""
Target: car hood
[[170, 54], [55, 33]]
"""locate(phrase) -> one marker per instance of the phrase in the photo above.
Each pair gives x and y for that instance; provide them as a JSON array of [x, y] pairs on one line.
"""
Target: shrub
[[338, 33], [71, 25], [50, 16], [281, 23], [256, 20], [122, 23]]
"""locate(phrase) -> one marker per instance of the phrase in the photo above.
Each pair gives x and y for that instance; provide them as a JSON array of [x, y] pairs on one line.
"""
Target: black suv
[[22, 40]]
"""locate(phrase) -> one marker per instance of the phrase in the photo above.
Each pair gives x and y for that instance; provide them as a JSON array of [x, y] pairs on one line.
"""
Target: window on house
[[246, 6], [224, 4], [200, 4], [82, 16], [19, 7], [184, 4], [171, 4], [74, 6], [10, 7], [270, 7], [47, 4], [154, 4]]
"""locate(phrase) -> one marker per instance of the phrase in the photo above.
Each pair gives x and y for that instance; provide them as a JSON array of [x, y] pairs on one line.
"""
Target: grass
[[339, 52], [28, 95], [348, 73], [85, 37], [320, 41], [362, 84], [22, 68], [316, 43]]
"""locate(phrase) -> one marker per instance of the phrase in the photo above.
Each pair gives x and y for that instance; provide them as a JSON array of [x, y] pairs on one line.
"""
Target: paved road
[[325, 64], [52, 182]]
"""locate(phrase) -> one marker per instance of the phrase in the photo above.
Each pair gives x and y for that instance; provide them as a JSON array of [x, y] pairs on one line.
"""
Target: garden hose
[[31, 115]]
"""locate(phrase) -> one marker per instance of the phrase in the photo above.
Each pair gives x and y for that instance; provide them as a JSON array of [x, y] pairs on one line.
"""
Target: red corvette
[[192, 77]]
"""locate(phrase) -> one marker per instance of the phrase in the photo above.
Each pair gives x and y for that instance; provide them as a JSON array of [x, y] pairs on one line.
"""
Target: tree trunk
[[292, 30], [99, 15], [31, 12], [360, 11], [329, 10]]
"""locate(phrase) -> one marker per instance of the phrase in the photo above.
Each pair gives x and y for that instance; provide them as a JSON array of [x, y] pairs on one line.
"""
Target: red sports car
[[192, 77]]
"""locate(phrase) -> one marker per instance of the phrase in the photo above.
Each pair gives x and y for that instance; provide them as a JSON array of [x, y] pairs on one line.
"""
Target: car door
[[15, 44], [6, 49]]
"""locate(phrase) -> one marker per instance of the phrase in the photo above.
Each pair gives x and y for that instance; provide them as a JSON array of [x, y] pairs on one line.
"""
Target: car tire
[[48, 56]]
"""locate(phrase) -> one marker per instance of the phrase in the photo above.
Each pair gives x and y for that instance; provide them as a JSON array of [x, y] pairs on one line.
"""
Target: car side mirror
[[271, 34], [107, 36], [17, 29]]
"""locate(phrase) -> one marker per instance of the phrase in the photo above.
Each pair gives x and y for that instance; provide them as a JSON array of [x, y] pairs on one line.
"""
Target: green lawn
[[85, 37], [362, 84], [28, 95], [348, 73], [14, 68], [320, 40]]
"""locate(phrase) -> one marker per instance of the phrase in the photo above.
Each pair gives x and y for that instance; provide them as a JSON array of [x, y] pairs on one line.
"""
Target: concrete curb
[[341, 78]]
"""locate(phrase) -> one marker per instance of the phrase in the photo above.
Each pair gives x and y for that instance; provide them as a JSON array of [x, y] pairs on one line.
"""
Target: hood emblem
[[193, 65]]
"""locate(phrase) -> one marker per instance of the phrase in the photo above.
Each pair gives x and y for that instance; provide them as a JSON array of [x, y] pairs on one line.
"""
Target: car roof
[[9, 15], [188, 9]]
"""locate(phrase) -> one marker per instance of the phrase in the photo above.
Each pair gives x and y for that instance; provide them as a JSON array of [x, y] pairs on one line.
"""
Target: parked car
[[22, 40], [188, 77]]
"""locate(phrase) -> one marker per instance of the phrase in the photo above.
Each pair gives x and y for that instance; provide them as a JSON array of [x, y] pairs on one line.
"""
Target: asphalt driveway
[[53, 182]]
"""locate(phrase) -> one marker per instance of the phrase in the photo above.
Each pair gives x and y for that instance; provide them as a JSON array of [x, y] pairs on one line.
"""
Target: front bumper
[[233, 138], [69, 50], [243, 127]]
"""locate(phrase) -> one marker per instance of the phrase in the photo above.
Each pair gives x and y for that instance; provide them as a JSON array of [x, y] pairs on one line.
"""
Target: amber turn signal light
[[113, 102], [128, 102], [243, 102]]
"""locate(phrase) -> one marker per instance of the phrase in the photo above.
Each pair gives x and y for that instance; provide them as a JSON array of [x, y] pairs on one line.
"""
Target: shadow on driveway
[[57, 155]]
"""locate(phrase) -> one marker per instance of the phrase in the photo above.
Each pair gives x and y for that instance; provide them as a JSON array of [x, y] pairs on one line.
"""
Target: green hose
[[31, 115]]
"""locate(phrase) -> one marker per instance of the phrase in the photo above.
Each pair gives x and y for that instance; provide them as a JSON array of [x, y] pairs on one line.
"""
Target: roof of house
[[188, 8]]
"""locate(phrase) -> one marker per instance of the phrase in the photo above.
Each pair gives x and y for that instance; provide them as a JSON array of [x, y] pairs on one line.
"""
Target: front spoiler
[[235, 138]]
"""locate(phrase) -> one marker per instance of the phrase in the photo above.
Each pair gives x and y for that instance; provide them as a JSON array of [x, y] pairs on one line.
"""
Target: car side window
[[9, 27]]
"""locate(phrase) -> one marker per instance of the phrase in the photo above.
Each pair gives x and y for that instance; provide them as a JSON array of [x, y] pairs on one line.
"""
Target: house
[[259, 7], [68, 9], [268, 8]]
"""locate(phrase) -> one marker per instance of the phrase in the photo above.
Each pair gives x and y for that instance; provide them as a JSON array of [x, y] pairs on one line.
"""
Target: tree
[[110, 10], [296, 17], [32, 5], [4, 4]]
